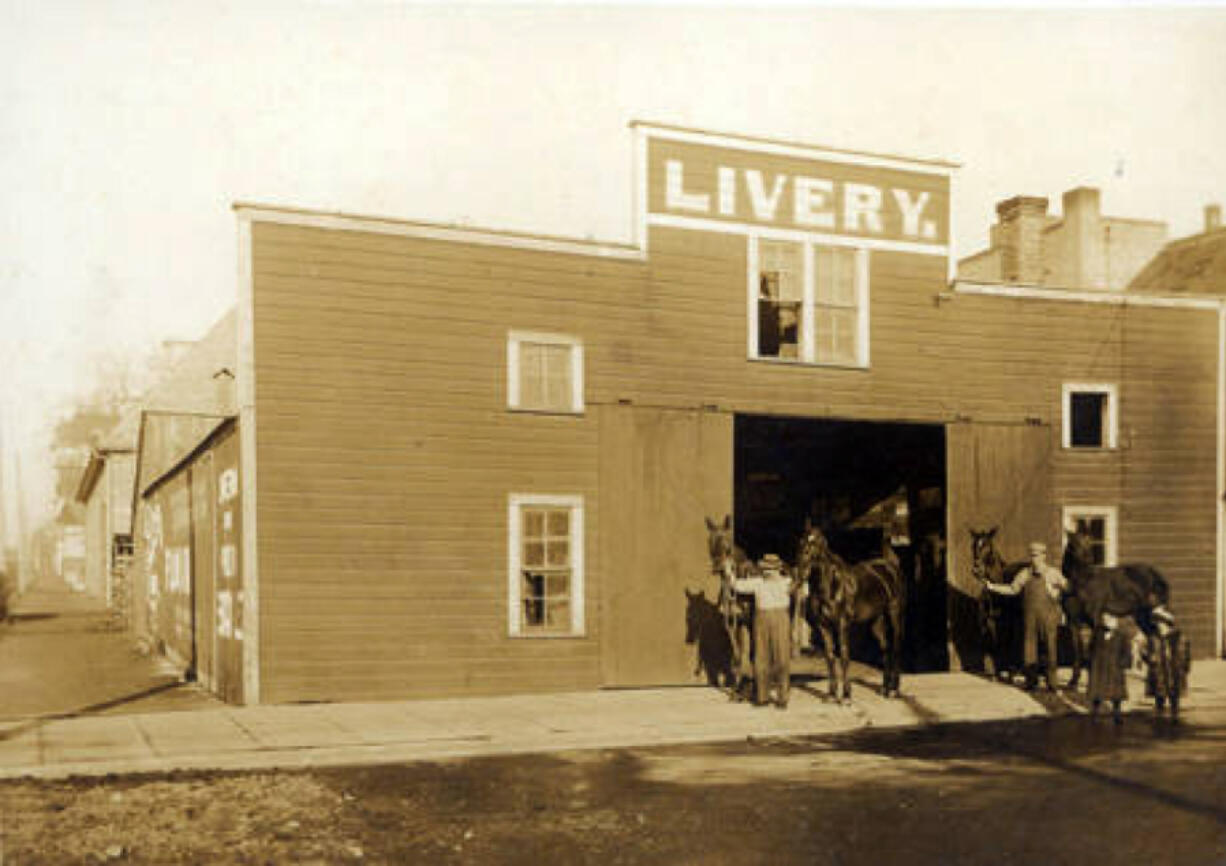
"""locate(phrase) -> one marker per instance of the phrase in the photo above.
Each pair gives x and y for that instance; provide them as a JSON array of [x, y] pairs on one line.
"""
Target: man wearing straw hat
[[772, 637], [1040, 586]]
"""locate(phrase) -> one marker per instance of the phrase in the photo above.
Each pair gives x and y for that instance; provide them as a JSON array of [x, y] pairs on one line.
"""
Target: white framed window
[[1100, 523], [544, 372], [545, 586], [808, 302], [1089, 416]]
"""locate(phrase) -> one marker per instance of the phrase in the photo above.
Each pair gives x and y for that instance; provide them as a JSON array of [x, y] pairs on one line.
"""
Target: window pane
[[837, 334], [558, 615], [835, 279], [1096, 529], [844, 278], [557, 377], [559, 522], [780, 297], [531, 379], [545, 376], [1087, 422], [558, 553], [534, 522], [534, 553], [557, 584], [533, 595], [781, 266]]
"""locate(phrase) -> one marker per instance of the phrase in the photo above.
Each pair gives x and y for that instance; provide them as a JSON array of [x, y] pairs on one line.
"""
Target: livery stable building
[[472, 462]]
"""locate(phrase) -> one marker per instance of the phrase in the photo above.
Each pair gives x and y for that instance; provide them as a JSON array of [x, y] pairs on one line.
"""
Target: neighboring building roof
[[189, 386], [188, 403], [1192, 265]]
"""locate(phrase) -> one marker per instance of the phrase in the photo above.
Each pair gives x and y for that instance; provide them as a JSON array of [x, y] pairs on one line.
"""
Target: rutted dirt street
[[1055, 790]]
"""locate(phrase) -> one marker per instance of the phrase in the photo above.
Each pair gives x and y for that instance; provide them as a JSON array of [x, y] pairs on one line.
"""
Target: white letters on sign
[[229, 560], [764, 203], [813, 201], [225, 615], [227, 486], [678, 198]]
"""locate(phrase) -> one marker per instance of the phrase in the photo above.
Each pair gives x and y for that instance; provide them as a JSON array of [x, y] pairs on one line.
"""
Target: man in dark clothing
[[1040, 586]]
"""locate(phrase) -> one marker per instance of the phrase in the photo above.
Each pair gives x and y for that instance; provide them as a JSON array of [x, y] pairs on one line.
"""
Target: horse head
[[1078, 554], [695, 609], [720, 546], [814, 559], [986, 561]]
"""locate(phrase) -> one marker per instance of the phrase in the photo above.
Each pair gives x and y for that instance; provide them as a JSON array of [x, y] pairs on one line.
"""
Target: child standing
[[1109, 659], [1169, 659]]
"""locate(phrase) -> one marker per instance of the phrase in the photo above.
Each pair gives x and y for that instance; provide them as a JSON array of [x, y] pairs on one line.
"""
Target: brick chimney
[[1085, 245], [1021, 220], [1213, 217]]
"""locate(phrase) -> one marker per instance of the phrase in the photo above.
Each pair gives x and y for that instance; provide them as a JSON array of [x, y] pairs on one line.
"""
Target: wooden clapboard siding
[[386, 456], [386, 453]]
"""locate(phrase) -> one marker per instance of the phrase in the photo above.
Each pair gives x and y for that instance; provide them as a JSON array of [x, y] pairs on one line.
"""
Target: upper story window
[[1089, 416], [809, 302], [544, 372], [1099, 523]]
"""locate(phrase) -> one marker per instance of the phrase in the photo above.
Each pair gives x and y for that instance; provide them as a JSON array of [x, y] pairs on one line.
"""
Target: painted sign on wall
[[784, 188]]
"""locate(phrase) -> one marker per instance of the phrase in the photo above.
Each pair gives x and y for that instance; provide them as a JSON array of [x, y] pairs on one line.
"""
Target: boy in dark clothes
[[1169, 659], [1109, 659]]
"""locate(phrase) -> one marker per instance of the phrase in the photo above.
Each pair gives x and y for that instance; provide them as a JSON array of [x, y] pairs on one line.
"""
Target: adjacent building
[[1080, 249], [105, 491]]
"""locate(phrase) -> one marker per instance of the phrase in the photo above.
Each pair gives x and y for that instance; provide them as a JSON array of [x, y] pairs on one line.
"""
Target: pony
[[1132, 589], [730, 563], [1000, 617], [840, 594]]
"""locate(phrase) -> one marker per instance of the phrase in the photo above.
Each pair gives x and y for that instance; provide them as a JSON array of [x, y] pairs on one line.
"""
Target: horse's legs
[[881, 633], [896, 621], [845, 654], [1081, 651], [828, 650]]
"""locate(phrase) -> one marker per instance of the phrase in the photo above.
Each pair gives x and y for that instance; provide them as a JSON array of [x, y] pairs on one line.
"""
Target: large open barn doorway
[[864, 484]]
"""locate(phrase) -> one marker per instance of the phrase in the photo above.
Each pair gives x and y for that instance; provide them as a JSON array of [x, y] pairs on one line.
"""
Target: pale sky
[[129, 128]]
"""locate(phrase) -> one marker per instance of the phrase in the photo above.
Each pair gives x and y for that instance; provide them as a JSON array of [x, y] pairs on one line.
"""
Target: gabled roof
[[1192, 265]]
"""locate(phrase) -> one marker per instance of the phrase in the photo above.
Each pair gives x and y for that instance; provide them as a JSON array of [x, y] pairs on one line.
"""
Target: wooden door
[[999, 476], [661, 473]]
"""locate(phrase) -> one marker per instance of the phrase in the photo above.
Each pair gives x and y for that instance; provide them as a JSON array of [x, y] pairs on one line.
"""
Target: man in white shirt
[[772, 641], [1040, 586]]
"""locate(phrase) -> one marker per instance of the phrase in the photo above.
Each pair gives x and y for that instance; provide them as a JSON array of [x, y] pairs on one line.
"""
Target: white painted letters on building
[[764, 204], [912, 210], [676, 198], [860, 200], [727, 191], [814, 200]]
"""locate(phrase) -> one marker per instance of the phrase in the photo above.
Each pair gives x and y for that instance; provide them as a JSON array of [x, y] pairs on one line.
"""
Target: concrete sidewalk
[[230, 738]]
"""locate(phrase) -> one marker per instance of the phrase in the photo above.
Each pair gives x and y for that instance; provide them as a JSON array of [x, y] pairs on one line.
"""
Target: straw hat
[[771, 562]]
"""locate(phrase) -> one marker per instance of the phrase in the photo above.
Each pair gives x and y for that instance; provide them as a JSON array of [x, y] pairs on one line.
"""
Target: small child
[[1169, 659], [1109, 659]]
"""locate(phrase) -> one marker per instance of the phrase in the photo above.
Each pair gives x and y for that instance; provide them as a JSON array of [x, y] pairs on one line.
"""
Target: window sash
[[546, 588], [810, 302], [1089, 416]]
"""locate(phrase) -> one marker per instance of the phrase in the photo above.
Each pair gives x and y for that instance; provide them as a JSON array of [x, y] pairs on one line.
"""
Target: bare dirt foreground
[[1061, 791]]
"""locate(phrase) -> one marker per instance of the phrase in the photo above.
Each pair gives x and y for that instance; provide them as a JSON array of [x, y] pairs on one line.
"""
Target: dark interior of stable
[[861, 483]]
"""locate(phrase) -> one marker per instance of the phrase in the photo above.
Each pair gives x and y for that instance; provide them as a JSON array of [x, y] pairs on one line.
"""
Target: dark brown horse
[[730, 563], [840, 594], [1000, 616], [1132, 589]]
